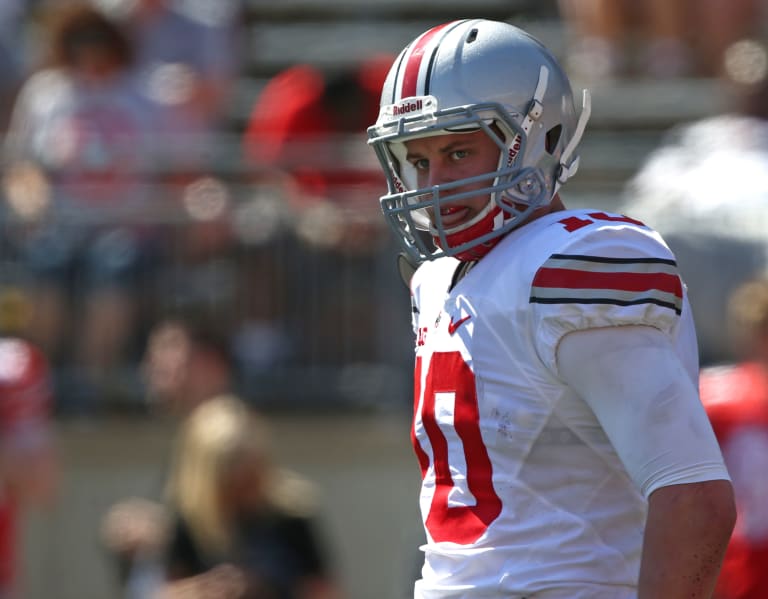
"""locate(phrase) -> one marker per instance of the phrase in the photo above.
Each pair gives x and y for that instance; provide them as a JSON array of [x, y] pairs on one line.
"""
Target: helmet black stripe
[[432, 57]]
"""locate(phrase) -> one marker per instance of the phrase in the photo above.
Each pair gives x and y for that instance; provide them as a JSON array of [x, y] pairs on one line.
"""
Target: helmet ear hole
[[552, 137]]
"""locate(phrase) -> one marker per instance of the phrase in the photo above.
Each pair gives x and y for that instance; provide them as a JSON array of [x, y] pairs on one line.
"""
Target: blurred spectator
[[231, 516], [705, 189], [232, 507], [188, 55], [28, 468], [78, 150], [202, 270], [736, 398], [11, 56], [229, 262], [265, 339], [185, 364], [308, 126], [656, 38]]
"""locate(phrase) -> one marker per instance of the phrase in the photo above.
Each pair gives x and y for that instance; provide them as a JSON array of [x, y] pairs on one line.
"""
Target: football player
[[736, 399], [563, 447]]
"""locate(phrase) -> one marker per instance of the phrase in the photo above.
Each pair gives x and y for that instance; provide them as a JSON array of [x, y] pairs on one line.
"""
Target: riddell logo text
[[408, 107], [514, 150]]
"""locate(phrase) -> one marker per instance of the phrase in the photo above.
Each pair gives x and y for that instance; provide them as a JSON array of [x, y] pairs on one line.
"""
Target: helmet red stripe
[[411, 75]]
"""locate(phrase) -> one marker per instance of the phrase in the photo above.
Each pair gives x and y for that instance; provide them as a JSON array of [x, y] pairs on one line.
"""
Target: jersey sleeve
[[677, 445], [604, 277]]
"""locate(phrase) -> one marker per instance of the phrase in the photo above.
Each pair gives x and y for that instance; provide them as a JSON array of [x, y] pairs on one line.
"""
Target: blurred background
[[202, 163]]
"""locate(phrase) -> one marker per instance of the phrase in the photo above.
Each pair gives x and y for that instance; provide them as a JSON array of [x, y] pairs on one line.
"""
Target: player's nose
[[439, 173]]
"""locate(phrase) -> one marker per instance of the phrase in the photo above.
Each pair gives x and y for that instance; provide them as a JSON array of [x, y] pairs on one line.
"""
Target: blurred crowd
[[130, 194], [660, 39], [158, 256]]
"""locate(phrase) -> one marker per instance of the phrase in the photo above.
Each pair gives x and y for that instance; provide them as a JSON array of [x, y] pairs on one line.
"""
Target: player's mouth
[[452, 216]]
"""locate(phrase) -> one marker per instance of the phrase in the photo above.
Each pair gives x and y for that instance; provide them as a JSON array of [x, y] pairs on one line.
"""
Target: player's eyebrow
[[446, 149]]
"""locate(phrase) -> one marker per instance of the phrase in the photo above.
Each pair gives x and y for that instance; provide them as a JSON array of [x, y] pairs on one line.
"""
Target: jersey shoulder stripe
[[580, 279]]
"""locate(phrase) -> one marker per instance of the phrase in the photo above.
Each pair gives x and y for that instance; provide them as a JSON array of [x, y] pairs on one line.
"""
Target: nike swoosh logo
[[452, 326]]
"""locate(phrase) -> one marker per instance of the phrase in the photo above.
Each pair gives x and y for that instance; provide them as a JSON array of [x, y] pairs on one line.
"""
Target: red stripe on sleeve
[[620, 281]]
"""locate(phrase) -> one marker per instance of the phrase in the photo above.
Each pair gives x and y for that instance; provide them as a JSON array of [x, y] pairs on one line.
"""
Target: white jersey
[[523, 494]]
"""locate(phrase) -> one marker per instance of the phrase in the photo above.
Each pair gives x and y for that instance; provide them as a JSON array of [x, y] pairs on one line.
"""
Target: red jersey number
[[574, 223], [449, 373]]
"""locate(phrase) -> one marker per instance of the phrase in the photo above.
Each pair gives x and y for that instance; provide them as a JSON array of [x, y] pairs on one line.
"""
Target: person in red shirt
[[27, 459], [302, 124], [736, 400]]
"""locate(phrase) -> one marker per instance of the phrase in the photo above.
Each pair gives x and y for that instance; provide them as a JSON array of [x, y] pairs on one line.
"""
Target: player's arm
[[649, 407], [685, 538]]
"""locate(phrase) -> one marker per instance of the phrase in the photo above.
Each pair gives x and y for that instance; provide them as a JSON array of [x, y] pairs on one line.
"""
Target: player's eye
[[420, 164], [459, 154]]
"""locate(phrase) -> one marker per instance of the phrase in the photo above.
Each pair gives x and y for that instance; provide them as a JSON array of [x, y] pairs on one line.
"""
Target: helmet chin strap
[[568, 169], [537, 107], [535, 110]]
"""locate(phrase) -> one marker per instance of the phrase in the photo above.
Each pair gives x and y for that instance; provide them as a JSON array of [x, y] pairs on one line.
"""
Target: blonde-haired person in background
[[241, 527]]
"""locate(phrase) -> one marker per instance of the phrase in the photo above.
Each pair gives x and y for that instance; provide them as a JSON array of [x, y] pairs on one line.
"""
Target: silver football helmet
[[472, 75]]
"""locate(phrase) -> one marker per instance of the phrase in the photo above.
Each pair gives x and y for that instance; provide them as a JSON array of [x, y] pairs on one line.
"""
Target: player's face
[[450, 157]]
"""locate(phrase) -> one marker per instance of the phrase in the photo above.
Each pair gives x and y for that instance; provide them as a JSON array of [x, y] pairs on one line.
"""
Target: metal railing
[[304, 288]]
